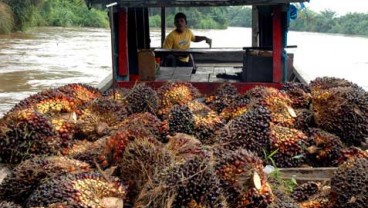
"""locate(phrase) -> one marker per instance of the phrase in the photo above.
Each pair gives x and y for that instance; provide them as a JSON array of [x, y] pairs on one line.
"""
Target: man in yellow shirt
[[180, 38]]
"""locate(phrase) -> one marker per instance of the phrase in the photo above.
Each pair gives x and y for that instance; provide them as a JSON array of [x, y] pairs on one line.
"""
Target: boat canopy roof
[[188, 3]]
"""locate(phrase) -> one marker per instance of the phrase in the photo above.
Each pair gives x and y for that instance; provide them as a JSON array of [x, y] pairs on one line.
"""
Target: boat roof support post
[[163, 26], [255, 28], [122, 42], [113, 54], [277, 44]]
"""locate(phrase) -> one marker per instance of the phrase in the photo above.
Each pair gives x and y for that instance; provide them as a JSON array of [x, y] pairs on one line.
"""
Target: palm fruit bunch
[[249, 131], [282, 200], [222, 97], [235, 109], [342, 111], [175, 93], [142, 98], [27, 176], [181, 120], [323, 149], [94, 153], [288, 144], [299, 93], [184, 147], [142, 159], [119, 94], [349, 184], [352, 153], [144, 124], [192, 183], [65, 126], [242, 178], [82, 92], [55, 205], [98, 116], [325, 83], [304, 119], [24, 134], [7, 204], [77, 190], [304, 191]]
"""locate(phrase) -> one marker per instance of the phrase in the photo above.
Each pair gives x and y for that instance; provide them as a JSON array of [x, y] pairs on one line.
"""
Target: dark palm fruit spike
[[349, 184], [77, 190], [282, 200], [236, 108], [249, 131], [225, 94], [288, 144], [323, 149], [181, 120], [141, 160], [81, 92], [304, 191], [299, 93], [24, 134], [352, 153], [96, 152], [325, 83], [304, 119], [146, 122], [142, 98], [342, 111], [184, 147], [7, 204], [28, 175], [175, 93], [206, 121], [277, 102], [242, 178]]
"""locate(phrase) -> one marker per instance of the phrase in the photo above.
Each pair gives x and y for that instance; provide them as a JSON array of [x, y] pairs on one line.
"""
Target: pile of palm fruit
[[172, 146]]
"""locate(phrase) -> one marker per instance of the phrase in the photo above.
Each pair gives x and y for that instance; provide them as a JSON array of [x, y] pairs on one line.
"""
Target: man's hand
[[209, 42]]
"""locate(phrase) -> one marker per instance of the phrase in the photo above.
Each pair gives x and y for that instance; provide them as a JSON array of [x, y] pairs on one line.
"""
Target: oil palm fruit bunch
[[77, 190], [173, 93], [349, 184], [56, 105], [223, 95], [24, 134], [119, 96], [98, 116], [142, 159], [181, 120], [304, 119], [242, 178], [288, 145], [299, 93], [27, 176], [7, 204], [323, 149], [342, 111], [236, 108], [304, 191], [249, 131], [65, 126], [282, 200], [325, 83], [206, 121], [142, 98], [81, 92], [193, 182], [184, 147], [94, 153], [352, 153]]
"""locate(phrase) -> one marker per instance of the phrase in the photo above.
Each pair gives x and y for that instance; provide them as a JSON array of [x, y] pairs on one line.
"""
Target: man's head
[[180, 21]]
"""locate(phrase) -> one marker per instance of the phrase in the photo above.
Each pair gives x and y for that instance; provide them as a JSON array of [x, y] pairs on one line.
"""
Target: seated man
[[180, 38]]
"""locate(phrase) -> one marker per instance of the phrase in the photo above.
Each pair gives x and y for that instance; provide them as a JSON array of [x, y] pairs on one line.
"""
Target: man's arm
[[202, 38]]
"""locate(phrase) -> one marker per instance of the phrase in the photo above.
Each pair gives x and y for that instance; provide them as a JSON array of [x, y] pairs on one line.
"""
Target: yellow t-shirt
[[181, 41]]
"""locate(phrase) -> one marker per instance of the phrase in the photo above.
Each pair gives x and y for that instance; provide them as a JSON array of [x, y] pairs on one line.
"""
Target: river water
[[53, 56]]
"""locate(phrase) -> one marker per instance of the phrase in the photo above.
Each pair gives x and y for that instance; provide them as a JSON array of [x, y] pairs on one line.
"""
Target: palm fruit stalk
[[142, 159], [299, 93], [242, 178], [222, 97], [287, 143], [120, 94], [77, 190], [98, 117], [349, 184], [24, 134], [182, 185], [7, 204], [304, 191], [278, 103], [323, 149], [142, 98], [27, 176], [342, 111], [175, 93]]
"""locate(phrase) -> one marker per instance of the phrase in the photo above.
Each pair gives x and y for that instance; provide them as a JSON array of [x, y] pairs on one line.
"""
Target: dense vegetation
[[21, 14]]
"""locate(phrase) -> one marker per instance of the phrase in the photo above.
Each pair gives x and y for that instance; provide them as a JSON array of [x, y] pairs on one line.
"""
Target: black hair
[[180, 15]]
